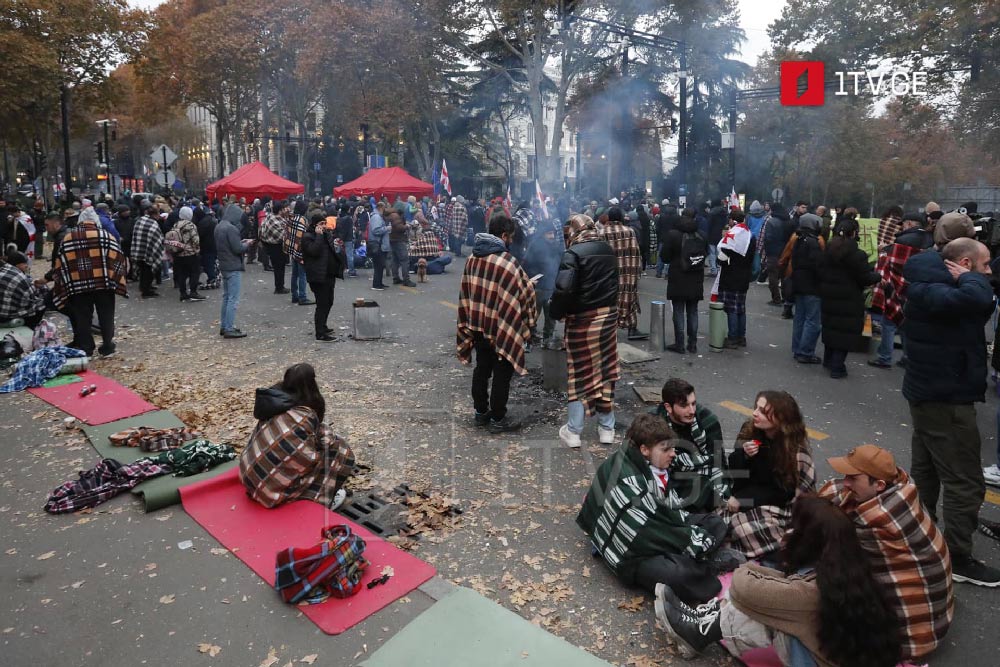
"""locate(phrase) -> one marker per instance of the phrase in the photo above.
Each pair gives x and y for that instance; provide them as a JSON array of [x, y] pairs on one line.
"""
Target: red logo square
[[796, 74]]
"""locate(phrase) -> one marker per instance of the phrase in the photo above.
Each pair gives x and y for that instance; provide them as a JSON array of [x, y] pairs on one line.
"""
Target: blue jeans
[[737, 325], [208, 260], [231, 281], [349, 249], [798, 654], [298, 281], [661, 266], [713, 259], [435, 266], [577, 414], [455, 245], [885, 345], [807, 325]]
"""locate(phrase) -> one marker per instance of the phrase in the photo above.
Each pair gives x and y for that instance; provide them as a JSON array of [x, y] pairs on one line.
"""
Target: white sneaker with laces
[[338, 499], [606, 435], [569, 438], [992, 475]]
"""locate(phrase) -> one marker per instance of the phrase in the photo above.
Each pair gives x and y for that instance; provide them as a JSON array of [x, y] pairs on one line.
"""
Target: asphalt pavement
[[118, 590]]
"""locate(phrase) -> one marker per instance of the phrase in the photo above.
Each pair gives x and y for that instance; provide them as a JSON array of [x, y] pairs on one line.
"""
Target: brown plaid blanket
[[456, 220], [294, 456], [908, 555], [592, 358], [424, 243], [496, 299], [294, 231], [758, 531], [89, 260], [150, 439], [888, 227], [622, 240]]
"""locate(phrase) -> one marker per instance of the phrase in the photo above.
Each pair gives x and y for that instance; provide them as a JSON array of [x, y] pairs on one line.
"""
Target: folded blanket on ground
[[150, 439], [334, 567], [39, 366], [195, 457]]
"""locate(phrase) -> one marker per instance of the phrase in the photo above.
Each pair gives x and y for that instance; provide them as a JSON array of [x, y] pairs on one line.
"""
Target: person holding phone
[[541, 261], [231, 249], [323, 253]]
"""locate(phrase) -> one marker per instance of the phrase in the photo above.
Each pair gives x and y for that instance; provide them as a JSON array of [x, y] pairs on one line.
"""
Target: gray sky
[[756, 15]]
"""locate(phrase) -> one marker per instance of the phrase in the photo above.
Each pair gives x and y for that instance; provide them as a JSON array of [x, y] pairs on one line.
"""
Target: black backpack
[[694, 250]]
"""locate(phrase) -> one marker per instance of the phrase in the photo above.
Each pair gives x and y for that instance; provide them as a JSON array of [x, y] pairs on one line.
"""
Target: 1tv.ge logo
[[803, 83]]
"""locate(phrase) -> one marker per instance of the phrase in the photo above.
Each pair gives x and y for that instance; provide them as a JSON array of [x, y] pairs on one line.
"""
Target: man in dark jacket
[[805, 257], [322, 252], [545, 249], [777, 230], [399, 248], [667, 219], [717, 217], [206, 223], [685, 278], [949, 299], [345, 232]]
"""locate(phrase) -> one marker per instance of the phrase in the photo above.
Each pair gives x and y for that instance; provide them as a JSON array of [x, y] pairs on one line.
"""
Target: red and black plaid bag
[[333, 567]]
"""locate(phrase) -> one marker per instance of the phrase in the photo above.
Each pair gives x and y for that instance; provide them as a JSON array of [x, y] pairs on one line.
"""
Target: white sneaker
[[338, 499], [606, 435], [569, 438], [992, 475]]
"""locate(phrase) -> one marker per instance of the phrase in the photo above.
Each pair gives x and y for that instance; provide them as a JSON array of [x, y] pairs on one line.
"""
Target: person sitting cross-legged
[[425, 243]]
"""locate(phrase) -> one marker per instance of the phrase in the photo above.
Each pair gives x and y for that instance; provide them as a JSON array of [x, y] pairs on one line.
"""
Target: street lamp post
[[106, 123]]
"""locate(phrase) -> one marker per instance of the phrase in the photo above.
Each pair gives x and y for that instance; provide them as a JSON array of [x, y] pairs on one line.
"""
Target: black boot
[[635, 334], [786, 313]]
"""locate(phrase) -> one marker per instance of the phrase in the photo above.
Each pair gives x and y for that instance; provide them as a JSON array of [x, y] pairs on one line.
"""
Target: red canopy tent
[[389, 182], [254, 180]]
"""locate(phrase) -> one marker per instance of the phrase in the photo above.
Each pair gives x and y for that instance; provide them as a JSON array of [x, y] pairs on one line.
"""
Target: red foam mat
[[255, 535], [110, 402]]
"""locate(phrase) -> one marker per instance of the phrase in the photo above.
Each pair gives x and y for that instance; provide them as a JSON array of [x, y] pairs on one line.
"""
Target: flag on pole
[[733, 199], [435, 176], [508, 203], [445, 182], [541, 200]]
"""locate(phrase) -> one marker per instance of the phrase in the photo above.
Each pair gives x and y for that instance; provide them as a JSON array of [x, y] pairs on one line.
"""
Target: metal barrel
[[718, 326], [657, 325]]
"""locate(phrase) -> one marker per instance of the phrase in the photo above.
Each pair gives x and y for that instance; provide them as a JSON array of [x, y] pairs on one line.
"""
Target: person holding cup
[[771, 466]]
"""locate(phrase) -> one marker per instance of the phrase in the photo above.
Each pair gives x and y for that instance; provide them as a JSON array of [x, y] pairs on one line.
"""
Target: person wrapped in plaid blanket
[[771, 466], [292, 454], [19, 296], [90, 270], [623, 242]]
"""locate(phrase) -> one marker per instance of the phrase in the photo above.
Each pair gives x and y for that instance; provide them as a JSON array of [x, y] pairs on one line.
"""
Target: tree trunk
[[301, 167], [265, 127]]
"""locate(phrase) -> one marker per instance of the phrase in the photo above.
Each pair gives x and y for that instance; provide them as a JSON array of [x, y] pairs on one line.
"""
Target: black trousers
[[489, 364], [693, 581], [834, 359], [187, 270], [378, 265], [324, 302], [81, 308], [146, 278], [279, 260]]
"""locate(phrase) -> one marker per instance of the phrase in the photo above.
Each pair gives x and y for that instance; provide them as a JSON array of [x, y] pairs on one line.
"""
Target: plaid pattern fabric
[[592, 358], [147, 243], [292, 243], [889, 294], [888, 227], [333, 567], [622, 240], [734, 302], [456, 219], [194, 457], [102, 482], [294, 456], [150, 439], [89, 260], [424, 243], [496, 299], [39, 366], [758, 531], [909, 556], [18, 295], [272, 230]]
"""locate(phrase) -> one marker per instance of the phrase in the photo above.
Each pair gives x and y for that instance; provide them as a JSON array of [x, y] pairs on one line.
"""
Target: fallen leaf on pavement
[[76, 584], [45, 556], [310, 659], [210, 649], [633, 605], [271, 658], [167, 599]]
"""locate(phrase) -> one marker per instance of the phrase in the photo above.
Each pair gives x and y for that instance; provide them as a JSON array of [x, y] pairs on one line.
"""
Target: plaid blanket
[[18, 295], [758, 531], [89, 260], [734, 302], [147, 243], [102, 482], [592, 358], [272, 230], [292, 244], [496, 299], [908, 555], [150, 439], [294, 456], [456, 220], [194, 457], [622, 240], [39, 366], [889, 295], [424, 243], [333, 567], [888, 227]]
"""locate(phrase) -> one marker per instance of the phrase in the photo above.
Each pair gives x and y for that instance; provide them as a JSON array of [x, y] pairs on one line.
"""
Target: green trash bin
[[718, 326]]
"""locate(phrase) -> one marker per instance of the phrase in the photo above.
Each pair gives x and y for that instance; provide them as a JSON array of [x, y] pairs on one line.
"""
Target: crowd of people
[[855, 572]]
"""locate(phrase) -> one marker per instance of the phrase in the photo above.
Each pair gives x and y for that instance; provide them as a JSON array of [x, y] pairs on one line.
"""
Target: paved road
[[403, 404]]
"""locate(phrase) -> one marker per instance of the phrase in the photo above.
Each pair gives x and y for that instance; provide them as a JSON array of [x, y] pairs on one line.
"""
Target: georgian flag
[[541, 200], [508, 203], [445, 182]]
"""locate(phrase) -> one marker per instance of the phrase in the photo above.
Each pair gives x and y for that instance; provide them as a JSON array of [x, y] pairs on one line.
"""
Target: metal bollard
[[657, 325]]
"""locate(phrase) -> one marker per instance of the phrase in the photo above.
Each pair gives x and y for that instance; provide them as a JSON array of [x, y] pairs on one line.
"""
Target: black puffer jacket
[[682, 285], [806, 254], [738, 271], [323, 262], [844, 274], [667, 220], [272, 401], [587, 280]]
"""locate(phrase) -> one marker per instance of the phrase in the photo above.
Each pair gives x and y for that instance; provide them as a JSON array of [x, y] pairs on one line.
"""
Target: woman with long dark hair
[[293, 454], [772, 465], [844, 273], [822, 607]]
